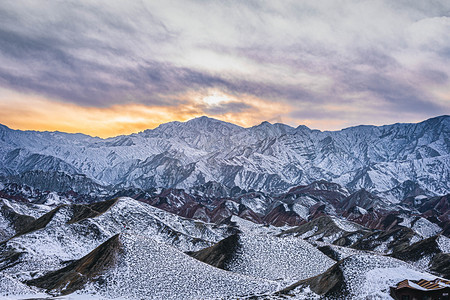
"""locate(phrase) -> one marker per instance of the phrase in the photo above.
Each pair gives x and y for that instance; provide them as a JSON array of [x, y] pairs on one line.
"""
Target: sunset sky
[[106, 68]]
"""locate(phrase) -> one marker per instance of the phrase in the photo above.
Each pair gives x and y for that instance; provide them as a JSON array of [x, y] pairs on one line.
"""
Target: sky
[[107, 68]]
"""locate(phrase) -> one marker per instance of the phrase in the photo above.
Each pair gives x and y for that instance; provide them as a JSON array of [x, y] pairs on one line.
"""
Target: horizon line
[[205, 116]]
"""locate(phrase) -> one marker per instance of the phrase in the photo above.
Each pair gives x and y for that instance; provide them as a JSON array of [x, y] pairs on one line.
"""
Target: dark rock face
[[295, 207], [248, 214], [58, 181], [328, 251], [323, 191], [440, 265], [418, 250], [330, 284], [8, 257], [78, 273], [361, 198], [27, 224], [436, 209], [439, 262], [323, 227], [220, 254], [214, 189], [19, 222], [39, 222], [396, 239], [27, 193], [376, 219], [18, 192], [81, 212], [279, 216]]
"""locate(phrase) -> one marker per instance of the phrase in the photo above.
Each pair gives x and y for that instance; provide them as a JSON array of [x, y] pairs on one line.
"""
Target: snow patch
[[277, 258], [153, 270], [443, 243], [426, 228]]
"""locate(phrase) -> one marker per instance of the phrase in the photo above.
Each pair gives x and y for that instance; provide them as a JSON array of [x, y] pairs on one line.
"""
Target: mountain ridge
[[4, 126], [266, 157]]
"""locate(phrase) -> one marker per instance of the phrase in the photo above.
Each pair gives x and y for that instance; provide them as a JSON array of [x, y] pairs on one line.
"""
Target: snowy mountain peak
[[266, 157], [204, 120]]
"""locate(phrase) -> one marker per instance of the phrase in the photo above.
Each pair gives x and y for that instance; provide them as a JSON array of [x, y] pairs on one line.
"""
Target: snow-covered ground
[[346, 225], [369, 276], [288, 259], [443, 243], [153, 270], [28, 209], [152, 263], [48, 248], [420, 225], [253, 228]]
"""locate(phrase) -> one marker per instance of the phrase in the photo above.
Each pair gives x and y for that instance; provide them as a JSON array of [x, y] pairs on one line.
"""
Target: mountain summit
[[266, 157]]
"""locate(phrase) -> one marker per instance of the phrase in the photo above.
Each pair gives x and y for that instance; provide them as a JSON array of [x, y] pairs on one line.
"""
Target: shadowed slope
[[39, 222], [81, 212], [79, 272], [220, 254], [330, 283]]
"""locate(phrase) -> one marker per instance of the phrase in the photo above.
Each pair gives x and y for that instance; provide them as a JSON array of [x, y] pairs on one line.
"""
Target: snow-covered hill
[[277, 258], [152, 270], [267, 157], [123, 248], [359, 276], [70, 231]]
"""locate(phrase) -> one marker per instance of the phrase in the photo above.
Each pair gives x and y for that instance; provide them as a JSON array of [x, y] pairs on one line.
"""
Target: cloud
[[342, 61], [224, 108], [27, 112]]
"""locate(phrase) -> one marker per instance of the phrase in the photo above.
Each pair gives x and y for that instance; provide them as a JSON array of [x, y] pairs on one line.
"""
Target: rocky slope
[[395, 161], [360, 276], [426, 216], [123, 248], [208, 209]]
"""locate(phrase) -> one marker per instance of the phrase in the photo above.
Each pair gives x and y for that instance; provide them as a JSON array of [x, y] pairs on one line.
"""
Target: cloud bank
[[328, 64]]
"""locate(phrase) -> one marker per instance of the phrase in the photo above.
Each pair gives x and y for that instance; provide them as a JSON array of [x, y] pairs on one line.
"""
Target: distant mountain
[[394, 161], [208, 209]]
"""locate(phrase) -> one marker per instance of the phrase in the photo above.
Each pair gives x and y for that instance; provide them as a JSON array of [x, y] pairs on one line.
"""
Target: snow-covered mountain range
[[390, 160], [209, 210]]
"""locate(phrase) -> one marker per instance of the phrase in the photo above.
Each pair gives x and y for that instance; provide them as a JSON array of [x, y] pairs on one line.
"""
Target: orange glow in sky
[[107, 68], [28, 112]]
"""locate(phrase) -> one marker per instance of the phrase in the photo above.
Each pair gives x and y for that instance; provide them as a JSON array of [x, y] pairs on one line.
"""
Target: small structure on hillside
[[438, 289]]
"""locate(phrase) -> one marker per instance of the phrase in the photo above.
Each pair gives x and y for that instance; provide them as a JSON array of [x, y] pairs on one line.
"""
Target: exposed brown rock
[[440, 262], [418, 250], [39, 222], [400, 237], [330, 283], [440, 265], [74, 276], [18, 221], [280, 217], [81, 212], [220, 254]]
